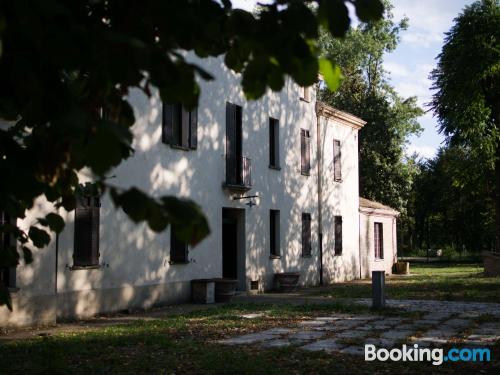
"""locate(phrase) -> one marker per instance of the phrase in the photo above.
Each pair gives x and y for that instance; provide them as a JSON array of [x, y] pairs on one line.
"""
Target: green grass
[[186, 344], [437, 281]]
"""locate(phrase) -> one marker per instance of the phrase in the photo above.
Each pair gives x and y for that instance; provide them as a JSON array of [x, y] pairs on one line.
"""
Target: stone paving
[[440, 323]]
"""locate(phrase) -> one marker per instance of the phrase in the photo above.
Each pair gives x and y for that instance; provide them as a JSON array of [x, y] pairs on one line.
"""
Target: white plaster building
[[298, 156]]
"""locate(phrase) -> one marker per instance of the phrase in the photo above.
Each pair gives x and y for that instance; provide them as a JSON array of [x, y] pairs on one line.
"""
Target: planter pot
[[402, 268], [203, 291], [491, 263], [225, 289], [286, 281]]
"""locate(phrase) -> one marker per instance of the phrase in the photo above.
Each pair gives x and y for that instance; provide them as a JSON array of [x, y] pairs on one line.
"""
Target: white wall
[[135, 269], [367, 243], [340, 199]]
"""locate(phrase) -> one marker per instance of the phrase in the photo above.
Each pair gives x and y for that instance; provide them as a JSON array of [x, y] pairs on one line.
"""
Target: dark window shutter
[[305, 152], [86, 238], [306, 234], [230, 143], [338, 235], [178, 249], [274, 238], [193, 129], [274, 142], [378, 240], [96, 222], [7, 274], [272, 160], [167, 123], [184, 127], [337, 166]]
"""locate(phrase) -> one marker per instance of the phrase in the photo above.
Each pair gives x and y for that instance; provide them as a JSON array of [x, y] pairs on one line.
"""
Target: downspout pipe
[[319, 161]]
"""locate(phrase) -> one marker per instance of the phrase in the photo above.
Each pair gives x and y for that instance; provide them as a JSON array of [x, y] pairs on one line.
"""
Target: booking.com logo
[[436, 355]]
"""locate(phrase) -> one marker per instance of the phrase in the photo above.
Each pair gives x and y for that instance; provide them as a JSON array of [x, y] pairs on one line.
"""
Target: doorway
[[233, 245]]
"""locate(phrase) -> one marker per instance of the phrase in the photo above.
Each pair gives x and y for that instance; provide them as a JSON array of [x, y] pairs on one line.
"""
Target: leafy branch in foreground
[[67, 67]]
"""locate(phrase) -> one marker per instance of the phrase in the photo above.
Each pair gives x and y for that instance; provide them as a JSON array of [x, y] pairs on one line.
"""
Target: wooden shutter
[[337, 166], [274, 226], [167, 123], [305, 152], [184, 127], [306, 234], [86, 238], [378, 241], [230, 143], [178, 249], [338, 235], [193, 129], [274, 143]]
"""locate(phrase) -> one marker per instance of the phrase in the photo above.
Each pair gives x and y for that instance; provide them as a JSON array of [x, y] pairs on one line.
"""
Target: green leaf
[[39, 237], [369, 10], [335, 16], [27, 255], [55, 222], [331, 73]]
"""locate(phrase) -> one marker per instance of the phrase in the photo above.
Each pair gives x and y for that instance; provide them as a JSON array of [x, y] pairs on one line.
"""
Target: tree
[[467, 84], [454, 198], [385, 172], [66, 68]]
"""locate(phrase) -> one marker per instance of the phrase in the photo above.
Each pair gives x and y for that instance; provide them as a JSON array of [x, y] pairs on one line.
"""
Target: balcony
[[238, 174]]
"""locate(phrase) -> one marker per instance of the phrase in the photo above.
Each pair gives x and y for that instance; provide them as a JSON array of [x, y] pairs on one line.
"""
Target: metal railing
[[238, 171]]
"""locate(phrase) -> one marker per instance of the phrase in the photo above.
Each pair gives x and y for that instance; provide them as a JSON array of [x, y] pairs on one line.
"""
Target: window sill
[[339, 181], [183, 148], [379, 259], [277, 168], [307, 174], [304, 100], [272, 257], [337, 255], [306, 256], [173, 263], [13, 289], [77, 268]]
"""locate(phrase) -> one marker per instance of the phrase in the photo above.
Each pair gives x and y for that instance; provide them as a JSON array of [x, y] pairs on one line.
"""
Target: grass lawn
[[186, 344], [438, 281]]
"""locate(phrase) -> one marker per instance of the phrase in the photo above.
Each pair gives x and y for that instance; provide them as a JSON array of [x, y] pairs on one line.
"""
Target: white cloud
[[427, 152], [396, 69], [420, 39]]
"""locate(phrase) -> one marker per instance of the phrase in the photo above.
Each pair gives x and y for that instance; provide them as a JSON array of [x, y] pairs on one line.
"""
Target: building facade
[[277, 179]]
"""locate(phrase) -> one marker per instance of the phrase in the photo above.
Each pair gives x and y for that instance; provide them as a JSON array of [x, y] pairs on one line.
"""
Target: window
[[178, 249], [305, 152], [305, 94], [274, 143], [306, 235], [337, 168], [7, 274], [274, 238], [180, 126], [379, 241], [338, 235], [87, 221]]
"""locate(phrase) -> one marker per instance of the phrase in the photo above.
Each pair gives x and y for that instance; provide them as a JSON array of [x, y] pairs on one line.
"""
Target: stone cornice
[[327, 111]]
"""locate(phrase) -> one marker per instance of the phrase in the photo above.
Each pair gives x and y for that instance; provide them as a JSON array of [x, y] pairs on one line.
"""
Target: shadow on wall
[[135, 269]]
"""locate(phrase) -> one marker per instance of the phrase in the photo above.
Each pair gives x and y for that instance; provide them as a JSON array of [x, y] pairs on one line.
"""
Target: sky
[[410, 64]]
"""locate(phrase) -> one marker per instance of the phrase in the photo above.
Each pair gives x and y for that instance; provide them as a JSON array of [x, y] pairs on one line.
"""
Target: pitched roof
[[366, 203]]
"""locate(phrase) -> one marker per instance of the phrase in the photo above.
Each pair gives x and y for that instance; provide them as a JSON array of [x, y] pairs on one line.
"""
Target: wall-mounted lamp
[[250, 203]]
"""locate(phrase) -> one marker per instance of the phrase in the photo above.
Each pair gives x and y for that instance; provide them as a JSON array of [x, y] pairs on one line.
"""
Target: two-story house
[[277, 179]]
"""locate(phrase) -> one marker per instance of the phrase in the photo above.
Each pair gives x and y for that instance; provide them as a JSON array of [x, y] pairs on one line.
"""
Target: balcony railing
[[238, 173]]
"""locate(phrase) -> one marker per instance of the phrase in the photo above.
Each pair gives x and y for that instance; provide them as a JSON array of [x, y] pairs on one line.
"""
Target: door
[[229, 248]]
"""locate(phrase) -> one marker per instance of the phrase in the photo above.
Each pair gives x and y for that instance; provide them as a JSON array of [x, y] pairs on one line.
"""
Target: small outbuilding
[[377, 237]]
